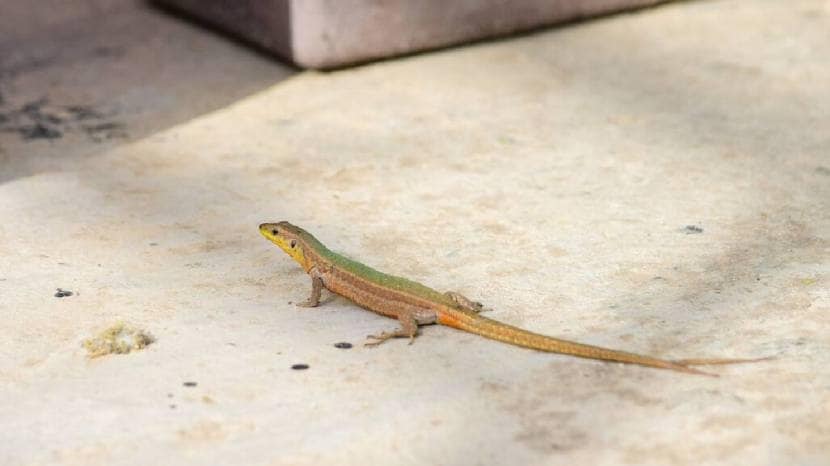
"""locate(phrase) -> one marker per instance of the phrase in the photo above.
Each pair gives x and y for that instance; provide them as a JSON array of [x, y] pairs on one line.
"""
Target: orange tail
[[495, 330]]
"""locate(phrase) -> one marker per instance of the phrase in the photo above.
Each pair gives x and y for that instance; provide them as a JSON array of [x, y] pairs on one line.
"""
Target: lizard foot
[[465, 302]]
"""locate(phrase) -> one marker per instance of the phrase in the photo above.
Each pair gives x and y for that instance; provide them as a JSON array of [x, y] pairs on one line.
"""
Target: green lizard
[[414, 304]]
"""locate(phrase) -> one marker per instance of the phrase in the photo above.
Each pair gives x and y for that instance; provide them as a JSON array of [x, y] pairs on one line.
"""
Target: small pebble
[[343, 345], [190, 384], [299, 367]]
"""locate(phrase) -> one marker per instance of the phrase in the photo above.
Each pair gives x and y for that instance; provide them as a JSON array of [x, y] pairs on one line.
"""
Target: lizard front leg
[[316, 290], [465, 302]]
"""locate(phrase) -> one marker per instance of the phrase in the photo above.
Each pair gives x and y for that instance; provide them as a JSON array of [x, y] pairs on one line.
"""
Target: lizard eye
[[293, 243], [274, 232]]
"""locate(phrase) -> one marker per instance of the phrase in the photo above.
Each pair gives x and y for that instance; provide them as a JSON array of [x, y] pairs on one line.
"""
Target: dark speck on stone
[[62, 293], [39, 131], [82, 112], [692, 230], [343, 345], [190, 384], [49, 118], [299, 367], [109, 126], [33, 107]]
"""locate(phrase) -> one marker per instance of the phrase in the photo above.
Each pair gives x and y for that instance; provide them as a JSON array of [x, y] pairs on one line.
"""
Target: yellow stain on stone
[[117, 339]]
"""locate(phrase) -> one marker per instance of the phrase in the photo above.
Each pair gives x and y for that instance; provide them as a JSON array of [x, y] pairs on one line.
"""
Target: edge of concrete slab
[[321, 34]]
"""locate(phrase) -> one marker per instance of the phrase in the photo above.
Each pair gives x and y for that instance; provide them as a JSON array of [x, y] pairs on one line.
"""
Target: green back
[[376, 276]]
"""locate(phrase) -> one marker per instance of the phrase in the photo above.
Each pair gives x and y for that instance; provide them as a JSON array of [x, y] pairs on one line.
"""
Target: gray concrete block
[[332, 33]]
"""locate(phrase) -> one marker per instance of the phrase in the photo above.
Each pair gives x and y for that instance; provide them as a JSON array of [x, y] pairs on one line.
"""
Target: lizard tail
[[495, 330]]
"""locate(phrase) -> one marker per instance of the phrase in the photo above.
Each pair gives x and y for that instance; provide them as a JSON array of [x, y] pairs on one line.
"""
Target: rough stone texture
[[657, 182], [332, 33], [73, 85]]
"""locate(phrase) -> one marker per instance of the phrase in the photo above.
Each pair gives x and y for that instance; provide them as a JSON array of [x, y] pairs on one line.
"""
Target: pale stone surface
[[555, 177]]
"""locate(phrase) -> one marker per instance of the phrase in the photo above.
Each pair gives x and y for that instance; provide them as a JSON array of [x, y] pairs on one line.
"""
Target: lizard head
[[289, 238]]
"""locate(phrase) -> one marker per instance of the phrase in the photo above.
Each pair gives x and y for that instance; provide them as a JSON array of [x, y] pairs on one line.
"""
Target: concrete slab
[[657, 182]]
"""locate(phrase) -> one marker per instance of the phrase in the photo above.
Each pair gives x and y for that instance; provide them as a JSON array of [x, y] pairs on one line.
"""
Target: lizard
[[414, 304]]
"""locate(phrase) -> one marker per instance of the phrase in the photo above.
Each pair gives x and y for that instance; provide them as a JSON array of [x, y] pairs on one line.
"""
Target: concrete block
[[333, 33]]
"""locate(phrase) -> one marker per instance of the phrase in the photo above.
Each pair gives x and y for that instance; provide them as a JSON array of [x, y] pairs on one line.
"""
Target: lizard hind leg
[[465, 303], [409, 328]]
